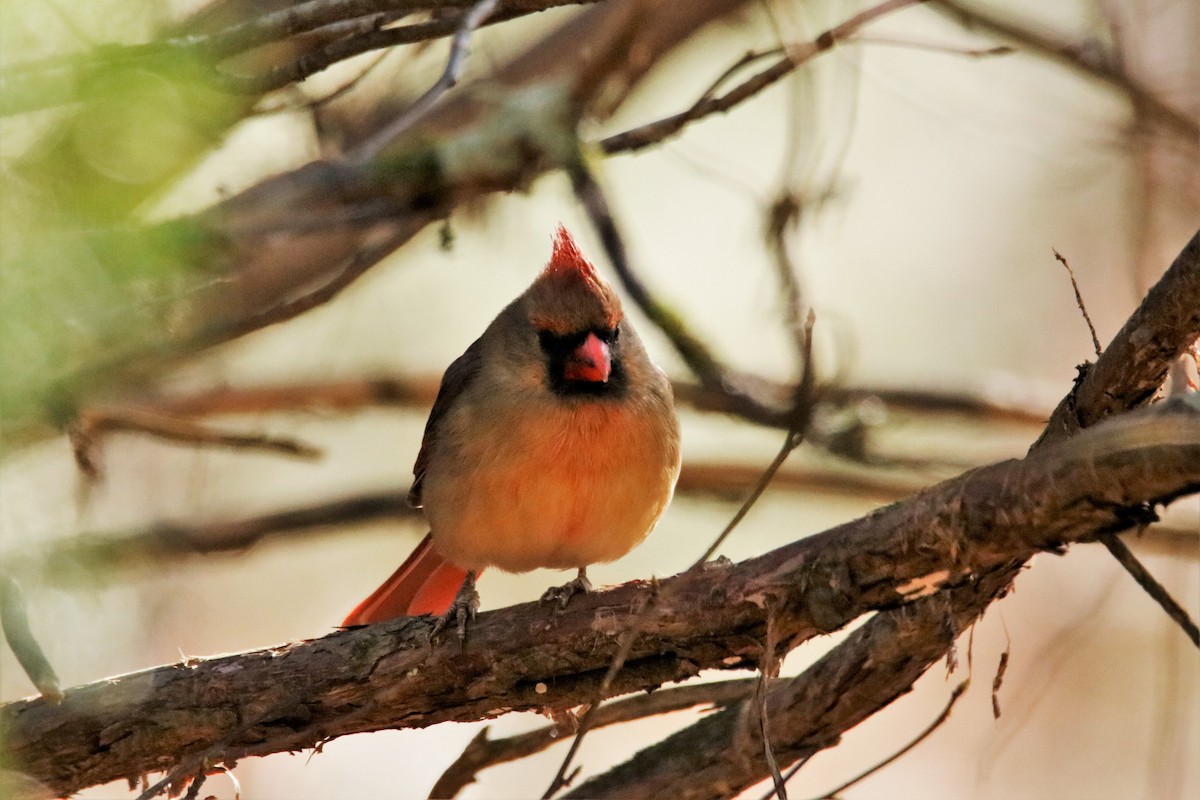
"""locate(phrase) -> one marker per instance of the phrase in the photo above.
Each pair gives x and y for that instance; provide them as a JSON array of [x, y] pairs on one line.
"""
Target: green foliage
[[85, 279]]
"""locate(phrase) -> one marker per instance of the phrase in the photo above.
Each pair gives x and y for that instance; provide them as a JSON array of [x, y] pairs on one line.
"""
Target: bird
[[553, 443]]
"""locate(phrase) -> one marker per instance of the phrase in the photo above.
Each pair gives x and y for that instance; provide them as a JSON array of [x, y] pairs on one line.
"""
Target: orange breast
[[567, 487]]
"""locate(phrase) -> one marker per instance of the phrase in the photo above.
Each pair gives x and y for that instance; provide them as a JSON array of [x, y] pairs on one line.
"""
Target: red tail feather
[[426, 583]]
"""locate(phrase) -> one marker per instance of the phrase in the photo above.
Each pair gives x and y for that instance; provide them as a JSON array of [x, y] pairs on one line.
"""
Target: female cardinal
[[553, 442]]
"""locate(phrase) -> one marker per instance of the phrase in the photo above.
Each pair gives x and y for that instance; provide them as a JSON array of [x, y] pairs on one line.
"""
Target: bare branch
[[471, 19], [885, 656], [920, 737], [92, 425], [223, 709], [346, 28], [1152, 587], [25, 647], [1079, 300], [655, 132], [483, 752], [1137, 360]]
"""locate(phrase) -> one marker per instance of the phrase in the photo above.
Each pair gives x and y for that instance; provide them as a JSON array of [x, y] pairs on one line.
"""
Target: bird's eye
[[546, 340], [616, 334]]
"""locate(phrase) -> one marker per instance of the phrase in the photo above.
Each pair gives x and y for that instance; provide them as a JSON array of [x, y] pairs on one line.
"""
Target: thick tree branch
[[294, 696], [877, 664], [873, 652]]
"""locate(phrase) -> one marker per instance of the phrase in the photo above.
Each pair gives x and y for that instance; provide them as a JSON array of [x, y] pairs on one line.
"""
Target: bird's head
[[577, 320]]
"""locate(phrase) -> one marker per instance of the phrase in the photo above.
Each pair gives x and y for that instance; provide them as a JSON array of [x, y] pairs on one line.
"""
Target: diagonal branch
[[1137, 360], [797, 55], [206, 712], [874, 667]]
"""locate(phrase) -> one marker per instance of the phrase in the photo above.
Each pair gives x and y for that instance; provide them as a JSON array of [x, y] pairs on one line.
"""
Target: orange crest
[[566, 260], [569, 295]]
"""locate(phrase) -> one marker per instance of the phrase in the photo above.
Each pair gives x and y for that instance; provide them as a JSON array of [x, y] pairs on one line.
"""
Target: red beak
[[591, 361]]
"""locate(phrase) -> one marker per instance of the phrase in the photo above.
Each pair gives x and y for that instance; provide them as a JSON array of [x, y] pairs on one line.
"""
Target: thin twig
[[459, 46], [1118, 548], [795, 437], [15, 622], [561, 778], [93, 424], [1151, 586], [787, 776], [655, 132], [998, 678], [1079, 300], [954, 695], [935, 47], [765, 673]]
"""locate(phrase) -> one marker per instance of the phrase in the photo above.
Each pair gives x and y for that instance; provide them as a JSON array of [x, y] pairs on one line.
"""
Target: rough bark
[[895, 647], [1135, 363], [526, 657]]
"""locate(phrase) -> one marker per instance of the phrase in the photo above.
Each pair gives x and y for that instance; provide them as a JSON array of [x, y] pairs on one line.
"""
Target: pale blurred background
[[929, 267]]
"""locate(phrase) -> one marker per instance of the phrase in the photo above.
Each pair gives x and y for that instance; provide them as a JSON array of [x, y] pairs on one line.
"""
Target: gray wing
[[458, 376]]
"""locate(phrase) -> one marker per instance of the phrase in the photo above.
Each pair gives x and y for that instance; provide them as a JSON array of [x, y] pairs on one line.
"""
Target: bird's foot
[[563, 594], [461, 611]]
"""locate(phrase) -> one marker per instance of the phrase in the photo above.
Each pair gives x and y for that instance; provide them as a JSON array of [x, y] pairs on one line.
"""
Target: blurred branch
[[1062, 50], [483, 752], [205, 712], [419, 391], [471, 19], [795, 56], [15, 622], [94, 424], [104, 554], [351, 27], [329, 221]]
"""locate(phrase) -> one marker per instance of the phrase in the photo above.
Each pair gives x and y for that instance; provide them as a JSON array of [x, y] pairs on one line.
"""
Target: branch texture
[[297, 695]]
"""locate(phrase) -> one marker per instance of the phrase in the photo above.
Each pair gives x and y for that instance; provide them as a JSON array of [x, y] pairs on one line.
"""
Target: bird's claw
[[461, 611], [562, 594]]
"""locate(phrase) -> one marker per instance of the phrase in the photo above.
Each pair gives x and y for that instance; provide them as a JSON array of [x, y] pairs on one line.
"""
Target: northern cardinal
[[553, 442]]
